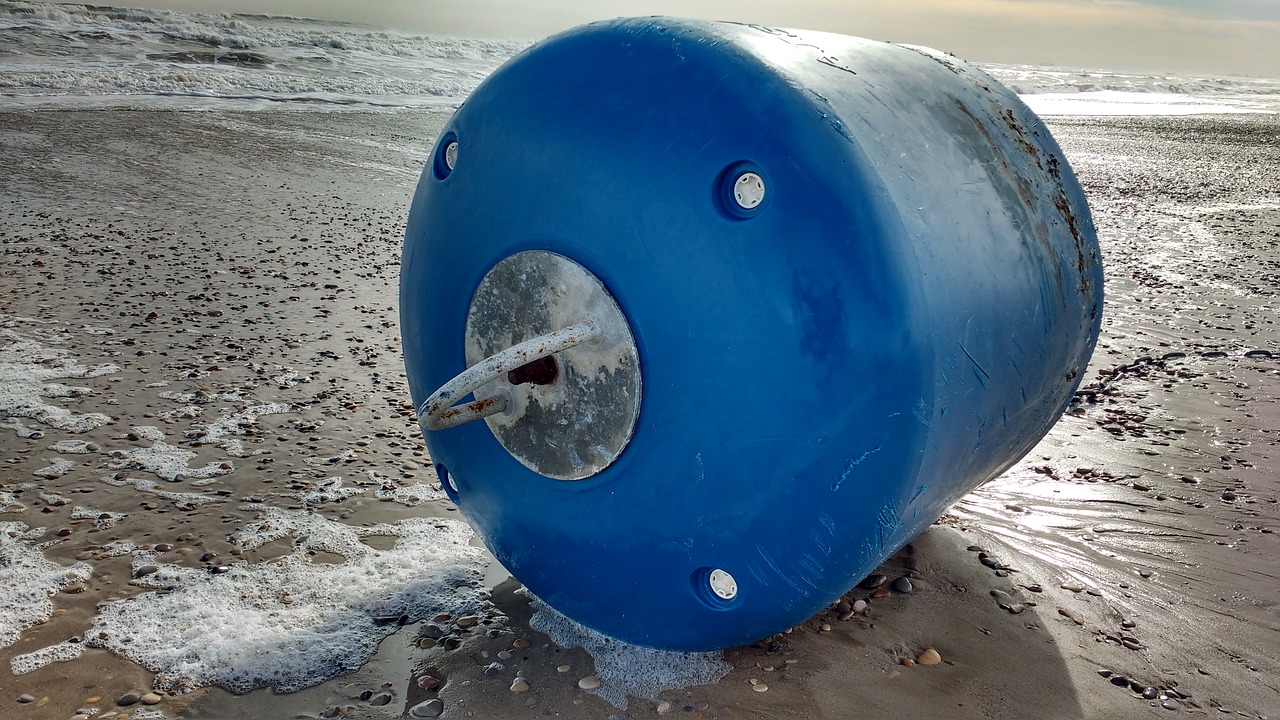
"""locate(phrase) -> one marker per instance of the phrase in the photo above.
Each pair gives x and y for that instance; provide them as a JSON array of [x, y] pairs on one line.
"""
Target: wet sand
[[245, 260]]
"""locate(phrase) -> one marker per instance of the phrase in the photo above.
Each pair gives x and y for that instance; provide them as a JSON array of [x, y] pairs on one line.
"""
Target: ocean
[[81, 56], [213, 486]]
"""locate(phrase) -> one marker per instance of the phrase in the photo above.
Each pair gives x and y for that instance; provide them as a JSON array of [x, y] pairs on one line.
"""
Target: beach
[[203, 375]]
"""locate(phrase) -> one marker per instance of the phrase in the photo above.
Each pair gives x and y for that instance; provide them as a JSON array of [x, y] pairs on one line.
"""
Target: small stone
[[468, 620], [1120, 681], [1150, 693], [861, 607], [1073, 587], [1070, 616], [429, 683], [520, 685], [873, 581], [1131, 644], [25, 698], [442, 617], [880, 593], [493, 669], [520, 644], [590, 682], [504, 655], [664, 707], [452, 643], [1014, 608], [380, 699], [564, 668], [1229, 496], [1104, 672], [906, 661], [128, 699], [430, 709], [151, 698], [929, 657], [902, 585], [825, 627], [426, 642], [760, 687]]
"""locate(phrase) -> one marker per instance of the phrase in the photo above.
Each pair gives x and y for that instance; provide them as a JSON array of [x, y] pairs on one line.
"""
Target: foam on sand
[[626, 669], [184, 500], [26, 369], [30, 579], [227, 431], [292, 622], [328, 490], [36, 659], [169, 462]]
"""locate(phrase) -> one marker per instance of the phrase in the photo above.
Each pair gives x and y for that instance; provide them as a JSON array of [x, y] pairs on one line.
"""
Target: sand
[[225, 260]]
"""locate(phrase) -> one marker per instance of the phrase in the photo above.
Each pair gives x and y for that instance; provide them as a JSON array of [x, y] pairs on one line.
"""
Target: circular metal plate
[[579, 423]]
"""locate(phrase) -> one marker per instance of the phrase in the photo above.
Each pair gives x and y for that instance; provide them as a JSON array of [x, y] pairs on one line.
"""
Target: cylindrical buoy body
[[844, 283]]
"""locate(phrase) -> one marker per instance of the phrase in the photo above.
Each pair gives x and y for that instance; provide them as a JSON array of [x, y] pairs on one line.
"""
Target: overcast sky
[[1199, 36]]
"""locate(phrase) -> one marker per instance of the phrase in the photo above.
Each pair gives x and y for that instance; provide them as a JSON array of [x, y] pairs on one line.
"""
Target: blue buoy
[[736, 312]]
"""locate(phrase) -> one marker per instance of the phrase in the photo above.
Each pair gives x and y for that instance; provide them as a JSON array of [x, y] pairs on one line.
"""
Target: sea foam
[[27, 370], [30, 579], [291, 622], [626, 669]]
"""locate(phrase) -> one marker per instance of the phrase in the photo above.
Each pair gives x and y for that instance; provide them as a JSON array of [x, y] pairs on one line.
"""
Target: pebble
[[429, 709], [590, 682], [880, 593], [520, 644], [520, 685], [902, 585], [1073, 587], [860, 606], [128, 699], [151, 699], [664, 707], [429, 683], [25, 698], [760, 687], [564, 668], [1070, 616], [873, 581], [906, 661], [468, 620], [504, 655], [1229, 496], [929, 657], [380, 699], [1120, 681], [494, 669]]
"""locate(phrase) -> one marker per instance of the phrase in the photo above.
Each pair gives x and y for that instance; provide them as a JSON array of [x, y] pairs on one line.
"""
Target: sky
[[1208, 37]]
